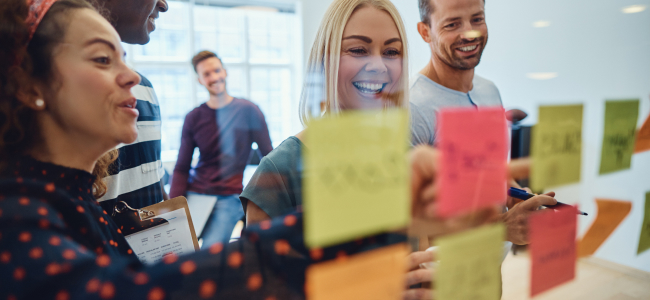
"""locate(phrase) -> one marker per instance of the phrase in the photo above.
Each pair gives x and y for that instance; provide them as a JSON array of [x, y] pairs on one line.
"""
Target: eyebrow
[[393, 40], [458, 18], [359, 37], [101, 41]]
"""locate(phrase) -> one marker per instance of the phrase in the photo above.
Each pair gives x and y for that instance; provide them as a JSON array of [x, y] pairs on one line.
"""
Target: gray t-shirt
[[276, 186], [428, 97]]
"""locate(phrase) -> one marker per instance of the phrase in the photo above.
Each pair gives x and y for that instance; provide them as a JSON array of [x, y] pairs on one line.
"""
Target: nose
[[128, 78], [162, 5], [466, 32], [376, 65]]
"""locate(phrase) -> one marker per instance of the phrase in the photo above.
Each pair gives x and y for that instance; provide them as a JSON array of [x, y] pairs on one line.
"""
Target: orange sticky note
[[377, 274], [474, 150], [643, 137], [552, 248], [610, 214]]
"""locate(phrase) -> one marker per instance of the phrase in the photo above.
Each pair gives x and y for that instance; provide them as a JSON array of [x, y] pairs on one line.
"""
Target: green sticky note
[[470, 264], [356, 179], [644, 240], [619, 136], [556, 147]]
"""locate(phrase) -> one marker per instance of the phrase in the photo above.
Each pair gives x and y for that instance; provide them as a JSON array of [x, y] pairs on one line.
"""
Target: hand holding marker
[[523, 195]]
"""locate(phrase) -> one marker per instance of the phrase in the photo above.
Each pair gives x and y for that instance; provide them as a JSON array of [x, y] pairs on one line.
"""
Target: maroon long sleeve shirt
[[224, 137]]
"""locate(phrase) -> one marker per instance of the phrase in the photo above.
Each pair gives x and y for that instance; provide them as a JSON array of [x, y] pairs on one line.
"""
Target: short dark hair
[[201, 56], [426, 9]]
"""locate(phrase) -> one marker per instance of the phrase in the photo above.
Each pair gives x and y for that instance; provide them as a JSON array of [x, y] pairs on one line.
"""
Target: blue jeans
[[222, 220]]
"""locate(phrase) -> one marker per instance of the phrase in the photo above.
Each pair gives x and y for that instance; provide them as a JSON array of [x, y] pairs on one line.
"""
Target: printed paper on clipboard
[[166, 229]]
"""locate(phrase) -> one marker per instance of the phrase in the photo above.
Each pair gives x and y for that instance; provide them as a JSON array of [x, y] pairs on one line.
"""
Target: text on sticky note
[[552, 248], [356, 176], [470, 264], [556, 146], [619, 135], [473, 162]]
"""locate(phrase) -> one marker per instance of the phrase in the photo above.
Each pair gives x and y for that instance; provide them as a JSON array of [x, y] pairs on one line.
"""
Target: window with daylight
[[260, 47]]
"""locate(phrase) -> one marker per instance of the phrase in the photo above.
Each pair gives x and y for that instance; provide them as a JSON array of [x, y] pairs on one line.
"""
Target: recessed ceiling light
[[540, 24], [633, 9], [542, 75]]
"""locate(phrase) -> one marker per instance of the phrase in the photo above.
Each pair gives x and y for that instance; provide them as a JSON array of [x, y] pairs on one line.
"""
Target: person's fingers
[[419, 276], [423, 168], [550, 194], [418, 294], [429, 193], [537, 201], [416, 258], [528, 190], [519, 168]]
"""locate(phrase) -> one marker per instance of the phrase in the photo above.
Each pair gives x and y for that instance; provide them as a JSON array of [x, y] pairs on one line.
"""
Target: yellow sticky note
[[619, 135], [356, 176], [377, 274], [470, 264], [556, 147], [610, 214]]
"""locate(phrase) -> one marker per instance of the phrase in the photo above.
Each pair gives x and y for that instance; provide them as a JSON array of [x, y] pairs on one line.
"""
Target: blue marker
[[523, 195]]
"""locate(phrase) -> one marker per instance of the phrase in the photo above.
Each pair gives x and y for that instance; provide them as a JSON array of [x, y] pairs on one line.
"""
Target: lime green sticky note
[[356, 176], [619, 136], [644, 240], [556, 147], [470, 264]]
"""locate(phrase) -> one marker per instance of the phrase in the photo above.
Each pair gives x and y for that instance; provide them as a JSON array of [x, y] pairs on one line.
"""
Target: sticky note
[[470, 264], [473, 160], [618, 138], [552, 248], [377, 274], [556, 147], [643, 137], [644, 239], [610, 214], [356, 176]]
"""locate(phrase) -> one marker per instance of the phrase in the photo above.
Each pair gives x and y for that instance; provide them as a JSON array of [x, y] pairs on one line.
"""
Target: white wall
[[598, 52]]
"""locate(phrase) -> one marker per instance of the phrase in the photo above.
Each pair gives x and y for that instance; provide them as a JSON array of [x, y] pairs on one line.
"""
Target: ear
[[425, 32], [225, 72], [29, 96]]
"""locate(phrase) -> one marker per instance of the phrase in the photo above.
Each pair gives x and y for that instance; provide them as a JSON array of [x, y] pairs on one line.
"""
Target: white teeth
[[371, 88], [468, 48]]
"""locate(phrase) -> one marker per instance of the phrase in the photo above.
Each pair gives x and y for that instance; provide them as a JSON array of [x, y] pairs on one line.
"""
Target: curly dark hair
[[21, 67]]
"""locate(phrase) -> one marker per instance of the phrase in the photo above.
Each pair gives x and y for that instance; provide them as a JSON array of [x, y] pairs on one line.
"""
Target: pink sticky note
[[552, 247], [473, 162]]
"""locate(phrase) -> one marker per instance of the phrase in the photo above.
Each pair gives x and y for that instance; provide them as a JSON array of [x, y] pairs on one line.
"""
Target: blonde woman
[[358, 61]]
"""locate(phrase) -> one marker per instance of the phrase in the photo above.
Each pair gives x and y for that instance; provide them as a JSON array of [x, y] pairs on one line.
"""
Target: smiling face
[[92, 100], [134, 20], [453, 29], [212, 76], [371, 60]]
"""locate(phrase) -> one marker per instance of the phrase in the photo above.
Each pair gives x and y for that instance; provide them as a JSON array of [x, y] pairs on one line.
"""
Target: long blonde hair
[[323, 64]]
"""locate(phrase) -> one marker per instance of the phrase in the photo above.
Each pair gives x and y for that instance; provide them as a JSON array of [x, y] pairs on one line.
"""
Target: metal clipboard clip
[[122, 206]]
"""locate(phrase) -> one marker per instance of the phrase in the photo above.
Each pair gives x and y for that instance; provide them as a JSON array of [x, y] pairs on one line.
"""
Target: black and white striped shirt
[[135, 176]]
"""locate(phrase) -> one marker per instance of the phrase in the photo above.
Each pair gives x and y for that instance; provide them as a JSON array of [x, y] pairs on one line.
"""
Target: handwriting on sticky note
[[619, 134], [470, 264], [556, 146], [473, 162], [552, 248], [643, 137], [377, 274], [610, 214], [356, 176], [644, 238]]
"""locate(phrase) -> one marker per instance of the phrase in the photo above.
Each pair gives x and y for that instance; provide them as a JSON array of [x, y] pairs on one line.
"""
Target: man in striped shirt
[[136, 175]]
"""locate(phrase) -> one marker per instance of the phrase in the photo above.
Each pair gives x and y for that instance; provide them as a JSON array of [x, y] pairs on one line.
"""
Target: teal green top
[[276, 186]]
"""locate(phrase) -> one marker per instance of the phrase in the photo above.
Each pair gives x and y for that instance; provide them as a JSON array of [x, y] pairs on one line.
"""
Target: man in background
[[224, 129], [135, 177], [457, 34]]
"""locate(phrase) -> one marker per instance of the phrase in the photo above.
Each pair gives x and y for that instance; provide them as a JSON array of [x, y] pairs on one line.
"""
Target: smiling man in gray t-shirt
[[457, 34]]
